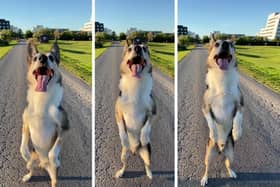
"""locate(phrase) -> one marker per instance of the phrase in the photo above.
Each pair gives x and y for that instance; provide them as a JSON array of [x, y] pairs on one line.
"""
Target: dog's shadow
[[243, 179], [59, 178], [138, 174]]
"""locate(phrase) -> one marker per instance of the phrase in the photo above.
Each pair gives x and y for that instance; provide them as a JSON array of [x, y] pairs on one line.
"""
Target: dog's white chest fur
[[40, 112], [223, 93], [135, 100]]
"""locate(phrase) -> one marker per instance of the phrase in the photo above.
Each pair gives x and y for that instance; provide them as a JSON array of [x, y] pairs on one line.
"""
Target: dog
[[223, 104], [44, 119], [135, 104]]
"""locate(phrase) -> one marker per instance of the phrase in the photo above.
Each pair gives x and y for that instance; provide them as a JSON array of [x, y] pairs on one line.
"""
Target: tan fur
[[222, 104], [134, 109], [43, 118]]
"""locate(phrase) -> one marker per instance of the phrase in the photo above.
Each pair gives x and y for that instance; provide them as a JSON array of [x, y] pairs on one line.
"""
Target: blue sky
[[120, 15], [25, 14], [236, 16]]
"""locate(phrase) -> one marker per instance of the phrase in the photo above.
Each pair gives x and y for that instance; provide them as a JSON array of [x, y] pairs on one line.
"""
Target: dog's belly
[[42, 132], [223, 108], [134, 117]]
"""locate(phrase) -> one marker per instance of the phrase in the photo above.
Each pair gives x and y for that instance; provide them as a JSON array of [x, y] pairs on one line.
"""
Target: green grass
[[75, 57], [162, 57], [5, 49], [100, 51], [183, 53], [262, 63]]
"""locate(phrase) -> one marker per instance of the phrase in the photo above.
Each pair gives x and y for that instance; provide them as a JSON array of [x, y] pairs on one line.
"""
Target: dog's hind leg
[[31, 164], [210, 150], [52, 171], [124, 155], [145, 150], [54, 162], [229, 157], [145, 154]]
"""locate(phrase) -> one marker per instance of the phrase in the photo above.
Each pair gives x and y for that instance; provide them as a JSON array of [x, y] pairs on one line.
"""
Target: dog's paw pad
[[26, 177], [204, 181], [232, 174], [119, 173]]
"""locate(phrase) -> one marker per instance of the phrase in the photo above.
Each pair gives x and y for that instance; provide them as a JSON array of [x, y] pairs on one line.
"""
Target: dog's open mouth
[[43, 75], [136, 66], [223, 59]]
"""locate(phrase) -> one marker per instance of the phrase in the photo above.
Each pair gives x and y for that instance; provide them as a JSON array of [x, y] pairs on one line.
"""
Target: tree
[[66, 35], [114, 37], [6, 35], [28, 34], [205, 39], [122, 36]]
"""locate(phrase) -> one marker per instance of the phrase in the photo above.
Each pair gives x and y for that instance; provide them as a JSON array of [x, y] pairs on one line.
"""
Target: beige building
[[87, 26], [272, 28]]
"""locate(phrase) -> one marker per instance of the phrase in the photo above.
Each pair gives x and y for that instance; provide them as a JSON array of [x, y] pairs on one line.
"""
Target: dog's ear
[[212, 40], [55, 52], [31, 51]]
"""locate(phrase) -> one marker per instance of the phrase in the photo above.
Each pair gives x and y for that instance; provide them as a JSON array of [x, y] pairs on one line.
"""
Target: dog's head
[[221, 54], [136, 59], [43, 71]]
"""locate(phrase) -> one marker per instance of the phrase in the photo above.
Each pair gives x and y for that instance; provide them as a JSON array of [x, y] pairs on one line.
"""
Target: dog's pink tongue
[[136, 69], [223, 63], [42, 82]]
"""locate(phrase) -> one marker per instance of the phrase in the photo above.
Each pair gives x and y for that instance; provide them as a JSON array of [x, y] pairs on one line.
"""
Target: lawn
[[261, 63], [162, 57], [75, 57], [5, 49], [183, 53], [100, 51]]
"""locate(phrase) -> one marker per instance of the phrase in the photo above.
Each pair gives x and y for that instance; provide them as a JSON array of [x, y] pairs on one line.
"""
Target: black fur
[[124, 124], [65, 121], [149, 148], [212, 114]]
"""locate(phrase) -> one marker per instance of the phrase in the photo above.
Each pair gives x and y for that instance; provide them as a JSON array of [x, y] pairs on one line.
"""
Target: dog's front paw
[[119, 173], [204, 180], [232, 174], [26, 177]]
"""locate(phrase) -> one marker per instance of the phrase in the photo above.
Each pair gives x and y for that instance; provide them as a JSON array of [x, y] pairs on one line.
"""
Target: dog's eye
[[35, 58], [217, 44], [51, 58]]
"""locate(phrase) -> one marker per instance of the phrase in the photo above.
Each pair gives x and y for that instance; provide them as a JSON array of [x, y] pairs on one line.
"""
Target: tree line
[[101, 37], [7, 35]]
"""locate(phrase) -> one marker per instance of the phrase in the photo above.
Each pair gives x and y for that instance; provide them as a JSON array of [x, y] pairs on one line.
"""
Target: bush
[[4, 43], [98, 44]]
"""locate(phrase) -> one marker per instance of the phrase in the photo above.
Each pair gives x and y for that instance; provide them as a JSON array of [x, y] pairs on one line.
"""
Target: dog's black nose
[[225, 45], [43, 59], [137, 49]]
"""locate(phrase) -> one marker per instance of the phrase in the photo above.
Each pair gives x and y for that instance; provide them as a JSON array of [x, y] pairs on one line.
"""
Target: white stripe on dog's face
[[222, 55], [136, 60], [43, 70]]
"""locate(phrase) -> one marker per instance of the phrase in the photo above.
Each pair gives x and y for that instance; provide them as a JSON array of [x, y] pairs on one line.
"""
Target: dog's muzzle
[[42, 75], [136, 65], [223, 59]]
